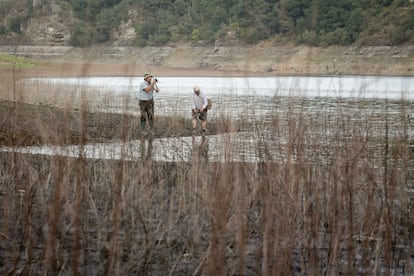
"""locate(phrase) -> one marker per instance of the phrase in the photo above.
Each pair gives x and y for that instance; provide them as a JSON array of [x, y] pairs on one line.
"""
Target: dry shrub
[[339, 200]]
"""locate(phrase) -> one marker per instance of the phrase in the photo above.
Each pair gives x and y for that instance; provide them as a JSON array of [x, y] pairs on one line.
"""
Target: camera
[[155, 79]]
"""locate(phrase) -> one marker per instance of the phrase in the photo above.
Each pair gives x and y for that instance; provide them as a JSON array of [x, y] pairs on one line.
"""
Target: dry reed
[[338, 202]]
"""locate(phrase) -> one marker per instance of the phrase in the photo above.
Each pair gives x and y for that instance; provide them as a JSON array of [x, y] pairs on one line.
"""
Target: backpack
[[209, 103]]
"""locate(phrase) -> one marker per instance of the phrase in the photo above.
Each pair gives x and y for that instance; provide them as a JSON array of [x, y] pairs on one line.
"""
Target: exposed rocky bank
[[262, 59]]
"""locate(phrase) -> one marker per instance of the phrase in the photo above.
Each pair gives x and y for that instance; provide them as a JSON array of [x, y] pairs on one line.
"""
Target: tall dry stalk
[[330, 194]]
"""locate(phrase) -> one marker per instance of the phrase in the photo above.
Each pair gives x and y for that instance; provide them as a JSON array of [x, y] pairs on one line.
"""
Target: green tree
[[354, 25], [82, 35], [296, 9], [334, 18], [271, 18], [15, 25], [404, 30]]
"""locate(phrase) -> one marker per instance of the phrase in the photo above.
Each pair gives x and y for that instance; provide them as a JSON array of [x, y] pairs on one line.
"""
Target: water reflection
[[228, 147], [146, 148], [200, 149]]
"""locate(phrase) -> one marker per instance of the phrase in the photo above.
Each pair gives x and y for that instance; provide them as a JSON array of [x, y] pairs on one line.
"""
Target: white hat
[[196, 88]]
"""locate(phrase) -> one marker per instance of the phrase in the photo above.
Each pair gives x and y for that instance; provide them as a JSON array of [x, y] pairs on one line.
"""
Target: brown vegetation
[[333, 206]]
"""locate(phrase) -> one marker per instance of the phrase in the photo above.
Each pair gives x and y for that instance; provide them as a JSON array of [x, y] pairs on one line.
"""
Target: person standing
[[145, 96], [199, 108]]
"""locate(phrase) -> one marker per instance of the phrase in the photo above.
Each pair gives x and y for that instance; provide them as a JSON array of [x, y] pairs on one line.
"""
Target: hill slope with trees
[[140, 23]]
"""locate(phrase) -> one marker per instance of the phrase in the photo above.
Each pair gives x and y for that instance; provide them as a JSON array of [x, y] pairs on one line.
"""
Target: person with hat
[[199, 108], [145, 95]]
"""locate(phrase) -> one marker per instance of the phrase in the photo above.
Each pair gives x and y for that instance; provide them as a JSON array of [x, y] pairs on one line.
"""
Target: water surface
[[370, 102]]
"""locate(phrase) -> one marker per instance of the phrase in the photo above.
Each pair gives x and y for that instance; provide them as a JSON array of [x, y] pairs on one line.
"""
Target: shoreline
[[121, 70], [263, 60], [124, 70]]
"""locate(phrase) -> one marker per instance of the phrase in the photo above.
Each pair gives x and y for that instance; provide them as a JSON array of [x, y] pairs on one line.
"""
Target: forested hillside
[[164, 22]]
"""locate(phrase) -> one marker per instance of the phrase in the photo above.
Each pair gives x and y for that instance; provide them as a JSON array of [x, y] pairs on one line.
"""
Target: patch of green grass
[[18, 62]]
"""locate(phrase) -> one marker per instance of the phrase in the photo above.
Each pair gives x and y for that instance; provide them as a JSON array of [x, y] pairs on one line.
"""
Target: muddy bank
[[28, 124], [260, 60]]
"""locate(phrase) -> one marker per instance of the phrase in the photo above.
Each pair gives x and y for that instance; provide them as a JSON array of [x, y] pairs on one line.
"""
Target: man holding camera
[[199, 108], [146, 100]]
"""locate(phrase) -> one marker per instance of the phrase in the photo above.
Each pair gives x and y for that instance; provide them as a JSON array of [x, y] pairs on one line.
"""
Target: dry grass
[[333, 206]]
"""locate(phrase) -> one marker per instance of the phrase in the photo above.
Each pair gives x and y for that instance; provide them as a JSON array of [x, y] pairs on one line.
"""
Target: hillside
[[135, 23]]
